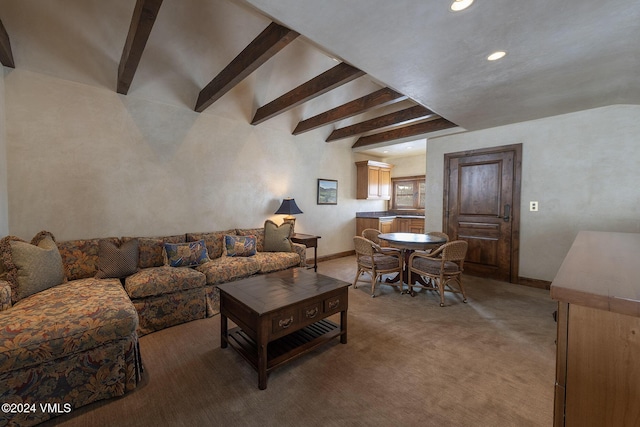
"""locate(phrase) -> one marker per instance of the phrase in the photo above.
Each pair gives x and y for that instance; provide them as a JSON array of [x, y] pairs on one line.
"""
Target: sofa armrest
[[301, 250], [5, 295]]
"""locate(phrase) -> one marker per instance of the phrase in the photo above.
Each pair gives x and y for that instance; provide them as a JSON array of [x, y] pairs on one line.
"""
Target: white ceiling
[[562, 56]]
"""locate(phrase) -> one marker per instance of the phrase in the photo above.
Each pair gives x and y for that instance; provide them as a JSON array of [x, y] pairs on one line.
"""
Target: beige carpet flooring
[[408, 362]]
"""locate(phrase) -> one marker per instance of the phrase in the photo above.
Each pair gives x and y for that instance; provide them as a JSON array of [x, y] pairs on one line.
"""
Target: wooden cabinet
[[391, 225], [373, 180], [409, 225], [402, 225], [385, 225], [598, 353], [417, 225]]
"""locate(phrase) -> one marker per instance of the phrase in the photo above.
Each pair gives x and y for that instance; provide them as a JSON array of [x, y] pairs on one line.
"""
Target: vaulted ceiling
[[395, 71]]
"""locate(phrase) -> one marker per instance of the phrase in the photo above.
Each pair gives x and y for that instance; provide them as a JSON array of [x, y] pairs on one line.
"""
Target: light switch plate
[[533, 206]]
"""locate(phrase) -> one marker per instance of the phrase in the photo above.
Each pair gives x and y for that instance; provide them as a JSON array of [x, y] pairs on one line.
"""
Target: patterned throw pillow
[[258, 233], [117, 262], [31, 267], [189, 254], [239, 245], [276, 238]]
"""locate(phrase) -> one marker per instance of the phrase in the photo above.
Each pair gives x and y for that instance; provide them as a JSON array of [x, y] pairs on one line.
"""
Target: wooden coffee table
[[281, 316]]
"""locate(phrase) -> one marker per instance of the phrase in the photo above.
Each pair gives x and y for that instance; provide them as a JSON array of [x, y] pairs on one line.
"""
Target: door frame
[[515, 210]]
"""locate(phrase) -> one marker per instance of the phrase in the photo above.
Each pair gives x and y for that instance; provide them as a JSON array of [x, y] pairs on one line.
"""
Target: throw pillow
[[276, 238], [258, 233], [239, 245], [188, 254], [31, 267], [117, 262]]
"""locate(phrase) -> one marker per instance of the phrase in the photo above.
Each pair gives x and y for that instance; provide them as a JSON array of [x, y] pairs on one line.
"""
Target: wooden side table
[[310, 241]]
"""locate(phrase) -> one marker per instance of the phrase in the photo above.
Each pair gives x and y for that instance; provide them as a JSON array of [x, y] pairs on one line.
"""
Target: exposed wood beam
[[404, 132], [144, 16], [267, 44], [376, 99], [403, 116], [6, 56], [330, 79]]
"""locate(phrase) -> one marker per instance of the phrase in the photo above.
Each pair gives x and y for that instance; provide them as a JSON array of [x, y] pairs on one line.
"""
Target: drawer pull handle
[[285, 323], [334, 304], [312, 313]]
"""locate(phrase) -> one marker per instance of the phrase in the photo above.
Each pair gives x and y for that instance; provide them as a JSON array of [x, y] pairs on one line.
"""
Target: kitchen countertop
[[387, 214]]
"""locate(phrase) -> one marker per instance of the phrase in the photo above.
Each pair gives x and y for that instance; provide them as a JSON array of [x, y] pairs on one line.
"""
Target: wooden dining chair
[[372, 259], [441, 268]]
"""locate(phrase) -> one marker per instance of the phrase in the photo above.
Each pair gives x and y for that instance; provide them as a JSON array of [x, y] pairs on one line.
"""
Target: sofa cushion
[[214, 241], [80, 257], [226, 269], [70, 318], [151, 249], [274, 261], [117, 262], [258, 232], [239, 246], [188, 254], [162, 280], [31, 267], [276, 237], [164, 311], [5, 295]]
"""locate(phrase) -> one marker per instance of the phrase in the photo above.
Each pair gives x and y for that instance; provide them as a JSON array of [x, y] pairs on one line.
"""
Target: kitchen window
[[408, 193]]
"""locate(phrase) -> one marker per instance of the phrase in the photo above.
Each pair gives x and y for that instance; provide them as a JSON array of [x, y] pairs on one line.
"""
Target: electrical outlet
[[533, 206]]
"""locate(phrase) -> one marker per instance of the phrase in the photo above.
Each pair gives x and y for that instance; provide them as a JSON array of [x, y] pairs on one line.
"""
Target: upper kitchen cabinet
[[373, 180]]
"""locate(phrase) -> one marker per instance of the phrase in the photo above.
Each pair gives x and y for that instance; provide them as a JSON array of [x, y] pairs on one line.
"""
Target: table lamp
[[289, 208]]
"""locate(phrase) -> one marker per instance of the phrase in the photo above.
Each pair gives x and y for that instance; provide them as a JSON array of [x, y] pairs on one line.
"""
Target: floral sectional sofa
[[71, 337]]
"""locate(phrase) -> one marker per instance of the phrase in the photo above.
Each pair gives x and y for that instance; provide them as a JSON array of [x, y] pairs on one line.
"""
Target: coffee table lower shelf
[[286, 348]]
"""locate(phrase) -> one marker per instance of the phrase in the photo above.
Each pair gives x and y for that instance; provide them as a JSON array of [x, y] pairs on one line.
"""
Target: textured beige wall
[[408, 166], [582, 168], [4, 200], [84, 161]]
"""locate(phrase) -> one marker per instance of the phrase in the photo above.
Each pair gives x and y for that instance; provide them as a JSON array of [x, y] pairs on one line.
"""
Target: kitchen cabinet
[[373, 180], [384, 224], [598, 341], [409, 225]]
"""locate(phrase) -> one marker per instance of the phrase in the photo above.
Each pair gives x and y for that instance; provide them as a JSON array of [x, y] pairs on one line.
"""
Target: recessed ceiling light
[[496, 55], [459, 5]]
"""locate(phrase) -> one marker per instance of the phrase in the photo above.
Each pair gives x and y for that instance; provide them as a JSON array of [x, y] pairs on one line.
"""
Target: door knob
[[507, 213]]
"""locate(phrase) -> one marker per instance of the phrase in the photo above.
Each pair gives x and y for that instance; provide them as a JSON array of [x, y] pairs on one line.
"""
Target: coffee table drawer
[[335, 303], [284, 321], [311, 312]]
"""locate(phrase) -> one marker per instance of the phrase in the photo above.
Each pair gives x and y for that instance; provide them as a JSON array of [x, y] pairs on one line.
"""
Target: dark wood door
[[482, 206]]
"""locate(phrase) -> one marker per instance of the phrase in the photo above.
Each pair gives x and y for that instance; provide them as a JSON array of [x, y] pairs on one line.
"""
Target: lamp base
[[291, 220]]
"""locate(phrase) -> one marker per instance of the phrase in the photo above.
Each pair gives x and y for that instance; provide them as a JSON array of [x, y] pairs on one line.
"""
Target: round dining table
[[409, 242], [412, 241]]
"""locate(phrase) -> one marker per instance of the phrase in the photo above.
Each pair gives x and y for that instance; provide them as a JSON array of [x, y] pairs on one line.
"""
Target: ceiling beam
[[267, 44], [404, 132], [144, 16], [330, 79], [6, 56], [376, 99], [410, 114]]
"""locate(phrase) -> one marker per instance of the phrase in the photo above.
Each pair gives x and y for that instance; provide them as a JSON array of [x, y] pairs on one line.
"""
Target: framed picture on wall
[[327, 192]]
